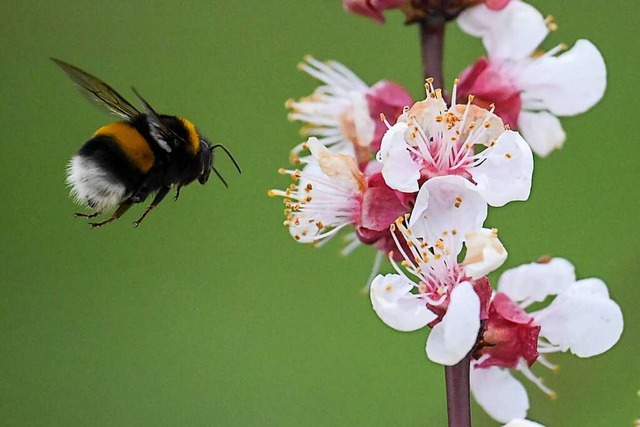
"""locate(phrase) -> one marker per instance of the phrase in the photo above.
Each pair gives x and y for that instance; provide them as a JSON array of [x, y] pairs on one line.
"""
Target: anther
[[551, 24]]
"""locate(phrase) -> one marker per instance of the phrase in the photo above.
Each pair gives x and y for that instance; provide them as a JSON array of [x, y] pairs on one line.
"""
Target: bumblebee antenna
[[220, 177], [235, 163]]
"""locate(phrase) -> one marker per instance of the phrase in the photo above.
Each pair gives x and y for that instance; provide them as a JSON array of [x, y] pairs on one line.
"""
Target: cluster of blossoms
[[415, 179]]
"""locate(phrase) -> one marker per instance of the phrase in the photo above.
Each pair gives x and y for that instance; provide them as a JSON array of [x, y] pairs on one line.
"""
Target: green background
[[209, 313]]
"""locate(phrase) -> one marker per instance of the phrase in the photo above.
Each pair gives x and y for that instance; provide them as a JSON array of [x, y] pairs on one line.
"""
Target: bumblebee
[[145, 153]]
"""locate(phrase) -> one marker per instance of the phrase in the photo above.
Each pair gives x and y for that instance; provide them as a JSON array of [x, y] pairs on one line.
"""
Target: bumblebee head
[[207, 160]]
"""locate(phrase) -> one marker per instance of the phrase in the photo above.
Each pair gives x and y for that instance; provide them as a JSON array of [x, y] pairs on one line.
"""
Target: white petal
[[542, 131], [582, 319], [499, 393], [568, 84], [451, 208], [511, 33], [522, 423], [484, 254], [396, 306], [341, 169], [400, 172], [452, 339], [506, 173], [364, 124], [535, 281]]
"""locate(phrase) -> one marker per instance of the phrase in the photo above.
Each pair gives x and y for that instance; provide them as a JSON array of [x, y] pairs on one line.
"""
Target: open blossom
[[448, 295], [331, 192], [344, 113], [530, 88], [432, 140], [581, 319], [414, 10]]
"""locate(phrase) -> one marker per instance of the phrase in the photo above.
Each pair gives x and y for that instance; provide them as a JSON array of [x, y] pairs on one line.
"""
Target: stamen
[[522, 367], [545, 362], [454, 92], [383, 119], [375, 269], [551, 24]]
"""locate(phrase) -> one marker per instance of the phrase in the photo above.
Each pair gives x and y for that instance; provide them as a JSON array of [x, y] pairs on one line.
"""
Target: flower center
[[509, 335]]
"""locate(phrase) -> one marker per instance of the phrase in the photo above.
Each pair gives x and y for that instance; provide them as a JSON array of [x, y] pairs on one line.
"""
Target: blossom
[[371, 8], [581, 319], [496, 4], [529, 88], [448, 295], [432, 140], [415, 11], [331, 192], [344, 113]]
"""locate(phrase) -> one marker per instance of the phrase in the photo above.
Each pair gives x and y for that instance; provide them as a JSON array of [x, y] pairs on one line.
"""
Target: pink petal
[[496, 4], [380, 206], [386, 98], [371, 8], [489, 84]]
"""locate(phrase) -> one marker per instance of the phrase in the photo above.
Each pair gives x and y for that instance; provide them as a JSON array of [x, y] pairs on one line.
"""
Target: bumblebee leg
[[122, 208], [175, 198], [140, 195], [156, 200], [84, 215]]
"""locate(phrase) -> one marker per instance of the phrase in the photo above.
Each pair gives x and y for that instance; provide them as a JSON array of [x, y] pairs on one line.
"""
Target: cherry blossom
[[414, 10], [344, 113], [530, 88], [581, 319], [330, 192], [432, 140], [448, 295]]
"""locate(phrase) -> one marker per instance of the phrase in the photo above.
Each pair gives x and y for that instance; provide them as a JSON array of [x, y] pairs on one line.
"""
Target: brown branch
[[458, 400], [432, 43]]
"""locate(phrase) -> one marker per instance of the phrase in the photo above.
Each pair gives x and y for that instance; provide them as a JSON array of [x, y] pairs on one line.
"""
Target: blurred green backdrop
[[209, 313]]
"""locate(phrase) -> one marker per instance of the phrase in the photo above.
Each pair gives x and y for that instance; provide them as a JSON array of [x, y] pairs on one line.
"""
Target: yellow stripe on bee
[[194, 138], [132, 144]]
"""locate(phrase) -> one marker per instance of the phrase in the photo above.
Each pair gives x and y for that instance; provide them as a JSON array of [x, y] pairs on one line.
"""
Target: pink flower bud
[[496, 4], [371, 8]]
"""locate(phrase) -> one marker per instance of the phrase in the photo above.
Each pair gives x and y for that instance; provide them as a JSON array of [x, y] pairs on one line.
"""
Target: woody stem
[[432, 42], [458, 403]]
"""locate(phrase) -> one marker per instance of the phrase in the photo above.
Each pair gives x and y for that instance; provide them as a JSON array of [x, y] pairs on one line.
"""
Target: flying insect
[[144, 153]]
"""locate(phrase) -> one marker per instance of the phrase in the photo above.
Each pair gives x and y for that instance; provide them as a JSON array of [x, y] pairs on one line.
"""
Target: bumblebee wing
[[162, 134], [98, 91]]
